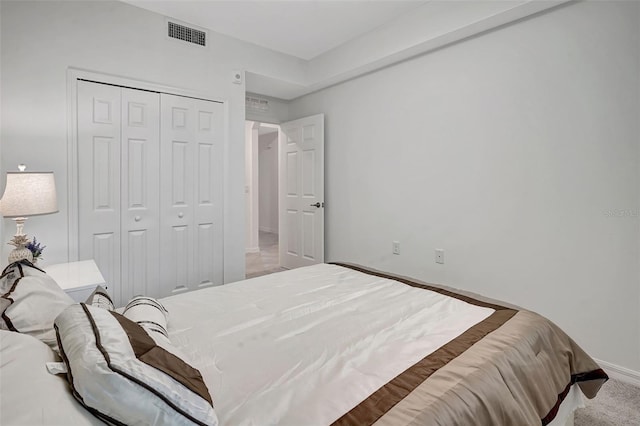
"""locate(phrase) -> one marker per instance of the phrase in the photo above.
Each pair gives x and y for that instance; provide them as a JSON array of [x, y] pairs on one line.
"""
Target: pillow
[[149, 314], [100, 299], [116, 370], [29, 302], [30, 395]]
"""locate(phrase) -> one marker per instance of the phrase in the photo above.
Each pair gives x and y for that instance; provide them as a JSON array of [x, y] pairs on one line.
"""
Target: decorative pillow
[[30, 300], [100, 299], [116, 370], [149, 314]]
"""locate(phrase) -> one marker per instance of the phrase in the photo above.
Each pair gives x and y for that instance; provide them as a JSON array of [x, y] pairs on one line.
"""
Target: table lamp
[[27, 194]]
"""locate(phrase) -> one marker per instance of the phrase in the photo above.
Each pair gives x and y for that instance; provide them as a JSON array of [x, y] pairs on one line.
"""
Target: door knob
[[318, 205], [180, 215], [137, 218]]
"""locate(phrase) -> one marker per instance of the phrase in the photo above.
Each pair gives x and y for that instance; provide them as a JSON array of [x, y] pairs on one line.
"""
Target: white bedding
[[294, 348], [305, 346]]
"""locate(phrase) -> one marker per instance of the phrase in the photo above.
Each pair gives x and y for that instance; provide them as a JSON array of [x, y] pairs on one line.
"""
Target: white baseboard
[[620, 373], [252, 250]]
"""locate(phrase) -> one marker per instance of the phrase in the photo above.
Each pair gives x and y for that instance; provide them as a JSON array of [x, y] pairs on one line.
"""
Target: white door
[[99, 143], [139, 194], [301, 194], [191, 197], [118, 158]]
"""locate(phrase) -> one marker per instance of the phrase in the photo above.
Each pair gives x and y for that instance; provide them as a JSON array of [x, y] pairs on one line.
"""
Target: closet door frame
[[73, 76]]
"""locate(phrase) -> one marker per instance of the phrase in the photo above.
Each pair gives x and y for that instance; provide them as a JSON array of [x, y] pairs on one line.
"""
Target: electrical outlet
[[396, 247], [440, 256]]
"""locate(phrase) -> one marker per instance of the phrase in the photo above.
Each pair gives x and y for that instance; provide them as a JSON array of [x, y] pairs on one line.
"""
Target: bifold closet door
[[191, 154], [118, 192], [140, 194], [99, 118]]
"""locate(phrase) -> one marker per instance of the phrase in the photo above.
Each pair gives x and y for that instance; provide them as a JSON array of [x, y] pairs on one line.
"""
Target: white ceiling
[[319, 43], [301, 28]]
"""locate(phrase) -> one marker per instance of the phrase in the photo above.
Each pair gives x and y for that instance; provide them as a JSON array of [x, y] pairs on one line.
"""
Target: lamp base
[[20, 251]]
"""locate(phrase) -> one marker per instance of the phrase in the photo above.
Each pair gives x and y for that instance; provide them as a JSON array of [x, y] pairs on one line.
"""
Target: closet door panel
[[140, 194], [99, 141], [191, 196], [208, 207], [178, 151], [180, 272]]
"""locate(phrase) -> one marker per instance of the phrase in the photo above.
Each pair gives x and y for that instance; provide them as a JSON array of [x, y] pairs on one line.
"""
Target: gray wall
[[42, 39], [517, 153], [268, 182]]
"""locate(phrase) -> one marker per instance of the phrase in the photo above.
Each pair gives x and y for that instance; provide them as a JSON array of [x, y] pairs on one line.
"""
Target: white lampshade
[[29, 194]]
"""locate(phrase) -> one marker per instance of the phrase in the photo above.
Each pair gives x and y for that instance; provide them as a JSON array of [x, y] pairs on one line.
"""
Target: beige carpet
[[266, 261], [617, 404]]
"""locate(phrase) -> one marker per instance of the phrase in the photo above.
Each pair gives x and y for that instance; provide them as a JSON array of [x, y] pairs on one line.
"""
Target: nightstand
[[77, 279]]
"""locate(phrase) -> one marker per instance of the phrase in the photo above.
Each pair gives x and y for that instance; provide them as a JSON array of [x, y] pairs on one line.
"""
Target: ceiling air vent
[[187, 34]]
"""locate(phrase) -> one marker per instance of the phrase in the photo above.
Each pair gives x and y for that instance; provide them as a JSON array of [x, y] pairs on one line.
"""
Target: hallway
[[266, 261]]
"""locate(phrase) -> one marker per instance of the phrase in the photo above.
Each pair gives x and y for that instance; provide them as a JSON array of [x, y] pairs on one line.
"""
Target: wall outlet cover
[[396, 247]]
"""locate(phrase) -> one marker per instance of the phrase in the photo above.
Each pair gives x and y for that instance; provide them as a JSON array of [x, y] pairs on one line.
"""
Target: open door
[[301, 194]]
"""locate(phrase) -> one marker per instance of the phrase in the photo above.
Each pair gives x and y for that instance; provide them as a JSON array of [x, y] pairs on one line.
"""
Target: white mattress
[[307, 345]]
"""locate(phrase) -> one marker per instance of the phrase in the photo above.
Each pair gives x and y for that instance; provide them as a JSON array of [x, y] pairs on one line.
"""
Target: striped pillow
[[149, 314], [117, 372]]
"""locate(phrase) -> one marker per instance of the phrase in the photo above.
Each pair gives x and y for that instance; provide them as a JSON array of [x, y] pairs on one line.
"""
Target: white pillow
[[30, 300], [30, 395], [119, 373]]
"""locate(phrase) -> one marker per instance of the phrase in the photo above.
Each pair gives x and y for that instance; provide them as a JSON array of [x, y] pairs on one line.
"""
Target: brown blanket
[[513, 368]]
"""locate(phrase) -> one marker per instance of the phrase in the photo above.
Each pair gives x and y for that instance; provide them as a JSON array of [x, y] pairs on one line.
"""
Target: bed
[[338, 344]]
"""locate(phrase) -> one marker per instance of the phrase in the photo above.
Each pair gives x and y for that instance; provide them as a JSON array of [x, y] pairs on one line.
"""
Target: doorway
[[261, 192]]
